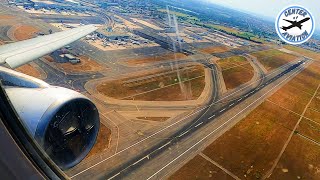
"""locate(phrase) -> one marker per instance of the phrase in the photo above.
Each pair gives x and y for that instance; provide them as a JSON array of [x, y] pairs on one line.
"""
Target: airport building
[[109, 35]]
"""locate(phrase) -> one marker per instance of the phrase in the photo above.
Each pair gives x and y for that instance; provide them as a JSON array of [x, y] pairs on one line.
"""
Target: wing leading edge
[[20, 53]]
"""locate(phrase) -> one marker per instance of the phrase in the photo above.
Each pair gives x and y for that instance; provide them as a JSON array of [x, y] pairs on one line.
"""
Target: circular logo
[[295, 25]]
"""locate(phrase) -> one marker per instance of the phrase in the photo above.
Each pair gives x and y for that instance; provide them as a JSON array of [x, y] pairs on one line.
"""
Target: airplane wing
[[19, 53], [289, 21], [304, 20]]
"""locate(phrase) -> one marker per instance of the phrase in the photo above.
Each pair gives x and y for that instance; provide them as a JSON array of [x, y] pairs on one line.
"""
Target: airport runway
[[147, 162]]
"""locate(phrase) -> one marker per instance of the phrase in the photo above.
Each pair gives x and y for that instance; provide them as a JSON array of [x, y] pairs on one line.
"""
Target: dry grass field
[[162, 86], [214, 49], [154, 59], [199, 168], [24, 32], [300, 160], [272, 59], [29, 70], [236, 70]]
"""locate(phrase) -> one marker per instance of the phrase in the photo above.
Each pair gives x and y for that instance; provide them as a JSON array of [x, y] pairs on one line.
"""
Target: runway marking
[[222, 110], [114, 176], [198, 124], [165, 144], [139, 161], [184, 133], [212, 116], [148, 137], [218, 127]]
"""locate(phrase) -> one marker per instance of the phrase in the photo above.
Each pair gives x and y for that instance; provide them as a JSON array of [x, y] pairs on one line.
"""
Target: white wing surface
[[20, 53]]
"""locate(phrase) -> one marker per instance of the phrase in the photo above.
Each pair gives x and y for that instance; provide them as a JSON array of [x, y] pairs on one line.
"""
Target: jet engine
[[63, 122]]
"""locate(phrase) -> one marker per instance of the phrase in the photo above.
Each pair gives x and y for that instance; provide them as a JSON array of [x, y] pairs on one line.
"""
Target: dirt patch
[[24, 32], [6, 17], [272, 59], [236, 71], [49, 58], [102, 143], [160, 119], [86, 65], [158, 87], [214, 49], [29, 70], [300, 160], [250, 147], [199, 168], [153, 59]]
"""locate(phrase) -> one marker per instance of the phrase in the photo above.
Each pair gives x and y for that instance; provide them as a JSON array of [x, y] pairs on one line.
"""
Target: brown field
[[6, 17], [251, 146], [310, 129], [304, 52], [272, 59], [29, 70], [193, 89], [236, 70], [159, 88], [301, 159], [313, 112], [296, 93], [291, 98], [24, 32], [102, 143], [161, 119], [214, 49], [86, 65], [199, 168], [153, 59]]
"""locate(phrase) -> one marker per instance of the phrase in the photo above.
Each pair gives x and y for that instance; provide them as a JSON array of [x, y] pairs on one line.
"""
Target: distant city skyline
[[271, 8]]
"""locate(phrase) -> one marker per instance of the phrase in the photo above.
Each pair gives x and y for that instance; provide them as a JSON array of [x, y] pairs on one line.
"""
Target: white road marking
[[140, 160], [165, 144], [184, 133], [218, 128], [231, 104], [239, 99], [198, 124], [212, 116], [114, 176], [222, 110], [142, 140]]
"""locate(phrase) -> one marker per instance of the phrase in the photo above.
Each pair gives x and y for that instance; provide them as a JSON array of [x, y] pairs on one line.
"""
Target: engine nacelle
[[64, 122]]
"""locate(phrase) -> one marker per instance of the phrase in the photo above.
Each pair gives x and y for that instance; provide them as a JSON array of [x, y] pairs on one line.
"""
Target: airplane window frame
[[26, 143]]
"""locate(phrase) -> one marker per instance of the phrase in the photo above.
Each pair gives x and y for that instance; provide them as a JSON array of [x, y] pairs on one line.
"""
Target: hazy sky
[[270, 8]]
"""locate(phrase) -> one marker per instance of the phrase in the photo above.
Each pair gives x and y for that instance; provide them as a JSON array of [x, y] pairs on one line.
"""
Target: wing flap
[[20, 53]]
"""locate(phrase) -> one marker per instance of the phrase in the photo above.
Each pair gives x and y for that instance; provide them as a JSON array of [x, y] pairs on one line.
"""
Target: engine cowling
[[64, 122]]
